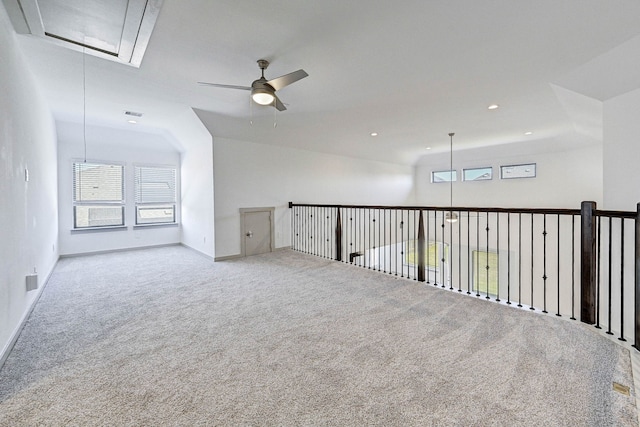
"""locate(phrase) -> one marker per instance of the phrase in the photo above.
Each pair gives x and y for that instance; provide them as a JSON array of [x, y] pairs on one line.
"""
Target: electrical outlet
[[32, 282]]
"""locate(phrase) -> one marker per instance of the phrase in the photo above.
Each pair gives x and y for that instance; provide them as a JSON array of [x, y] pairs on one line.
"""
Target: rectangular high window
[[518, 171], [444, 176], [477, 174], [98, 195], [155, 195]]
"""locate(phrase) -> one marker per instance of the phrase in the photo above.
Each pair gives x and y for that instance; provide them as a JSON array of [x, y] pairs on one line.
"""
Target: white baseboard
[[23, 321]]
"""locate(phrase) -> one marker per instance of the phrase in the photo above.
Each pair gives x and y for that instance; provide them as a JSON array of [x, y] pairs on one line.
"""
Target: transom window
[[444, 176], [477, 174]]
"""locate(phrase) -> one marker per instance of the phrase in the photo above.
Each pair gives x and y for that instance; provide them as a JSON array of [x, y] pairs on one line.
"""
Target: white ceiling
[[413, 71]]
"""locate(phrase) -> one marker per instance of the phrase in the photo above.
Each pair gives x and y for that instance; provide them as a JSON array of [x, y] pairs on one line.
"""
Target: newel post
[[338, 236], [636, 316], [421, 247], [588, 263]]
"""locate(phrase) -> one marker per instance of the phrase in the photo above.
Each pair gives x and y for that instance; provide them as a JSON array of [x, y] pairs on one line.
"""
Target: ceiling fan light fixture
[[262, 96]]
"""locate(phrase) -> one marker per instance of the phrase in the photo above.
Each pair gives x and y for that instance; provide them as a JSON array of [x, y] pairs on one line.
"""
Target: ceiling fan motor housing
[[262, 92]]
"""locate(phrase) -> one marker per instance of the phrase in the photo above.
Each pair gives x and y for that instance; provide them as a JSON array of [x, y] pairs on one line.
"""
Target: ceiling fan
[[263, 91]]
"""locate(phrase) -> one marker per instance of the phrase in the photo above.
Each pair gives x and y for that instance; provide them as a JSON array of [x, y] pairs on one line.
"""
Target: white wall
[[197, 182], [258, 175], [29, 226], [117, 145], [622, 152], [564, 178]]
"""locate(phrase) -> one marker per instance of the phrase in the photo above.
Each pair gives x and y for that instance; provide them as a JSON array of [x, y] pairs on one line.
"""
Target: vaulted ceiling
[[412, 71]]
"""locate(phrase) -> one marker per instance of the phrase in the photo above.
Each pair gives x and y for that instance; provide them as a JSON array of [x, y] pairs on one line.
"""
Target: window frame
[[489, 178], [453, 176], [97, 203], [519, 176], [142, 205]]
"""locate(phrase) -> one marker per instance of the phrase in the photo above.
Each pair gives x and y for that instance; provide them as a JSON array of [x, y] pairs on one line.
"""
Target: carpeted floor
[[167, 337]]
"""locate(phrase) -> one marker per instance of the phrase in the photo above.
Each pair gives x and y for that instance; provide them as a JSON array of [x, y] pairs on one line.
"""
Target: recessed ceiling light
[[493, 107], [374, 133], [133, 122], [528, 133], [428, 148]]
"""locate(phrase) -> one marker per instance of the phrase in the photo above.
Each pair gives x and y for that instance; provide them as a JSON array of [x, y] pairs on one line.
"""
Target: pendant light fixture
[[451, 216]]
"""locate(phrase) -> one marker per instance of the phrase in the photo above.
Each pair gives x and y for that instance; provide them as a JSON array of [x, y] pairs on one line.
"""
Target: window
[[155, 195], [518, 171], [485, 273], [98, 195], [432, 253], [477, 174], [444, 176]]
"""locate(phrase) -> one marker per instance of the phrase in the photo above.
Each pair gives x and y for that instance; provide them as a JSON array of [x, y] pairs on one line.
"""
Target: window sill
[[98, 229], [163, 224]]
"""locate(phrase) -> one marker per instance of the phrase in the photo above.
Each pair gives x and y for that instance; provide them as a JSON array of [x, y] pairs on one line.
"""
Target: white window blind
[[155, 185], [98, 195], [155, 195], [95, 182]]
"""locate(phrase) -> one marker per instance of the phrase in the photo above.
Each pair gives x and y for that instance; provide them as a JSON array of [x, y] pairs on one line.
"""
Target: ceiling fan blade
[[282, 81], [278, 104], [225, 86]]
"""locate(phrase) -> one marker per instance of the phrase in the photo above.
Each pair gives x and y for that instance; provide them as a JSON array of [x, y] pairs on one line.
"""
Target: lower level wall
[[249, 175]]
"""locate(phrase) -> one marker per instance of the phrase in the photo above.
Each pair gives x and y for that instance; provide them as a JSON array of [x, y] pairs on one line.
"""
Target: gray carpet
[[166, 337]]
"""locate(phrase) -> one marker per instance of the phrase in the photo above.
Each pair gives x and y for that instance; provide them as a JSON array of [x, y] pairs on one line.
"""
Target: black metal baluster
[[598, 271], [305, 230], [544, 263], [396, 241], [509, 258], [487, 257], [477, 264], [379, 257], [531, 307], [468, 253], [428, 249], [443, 248], [351, 232], [610, 279], [402, 248], [459, 252], [435, 248], [406, 255], [558, 273], [450, 253], [621, 338], [519, 259], [498, 257], [416, 261], [573, 266], [370, 226], [384, 241], [313, 231]]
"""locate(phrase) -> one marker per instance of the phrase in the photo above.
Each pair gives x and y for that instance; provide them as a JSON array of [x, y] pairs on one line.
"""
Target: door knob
[[250, 234]]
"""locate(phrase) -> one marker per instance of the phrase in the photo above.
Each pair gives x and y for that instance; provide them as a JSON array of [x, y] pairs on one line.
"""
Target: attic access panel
[[118, 30]]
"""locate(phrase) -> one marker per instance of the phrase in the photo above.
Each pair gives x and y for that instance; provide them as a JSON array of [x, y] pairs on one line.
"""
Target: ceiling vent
[[133, 113], [118, 30]]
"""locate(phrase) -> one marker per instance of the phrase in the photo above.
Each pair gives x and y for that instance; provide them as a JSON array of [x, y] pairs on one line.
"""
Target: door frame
[[272, 229]]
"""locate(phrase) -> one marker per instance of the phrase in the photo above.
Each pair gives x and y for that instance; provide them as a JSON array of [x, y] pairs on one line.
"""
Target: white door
[[257, 232]]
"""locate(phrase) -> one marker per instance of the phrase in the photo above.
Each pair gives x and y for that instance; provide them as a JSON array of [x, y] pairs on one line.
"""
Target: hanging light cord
[[84, 104], [451, 172]]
